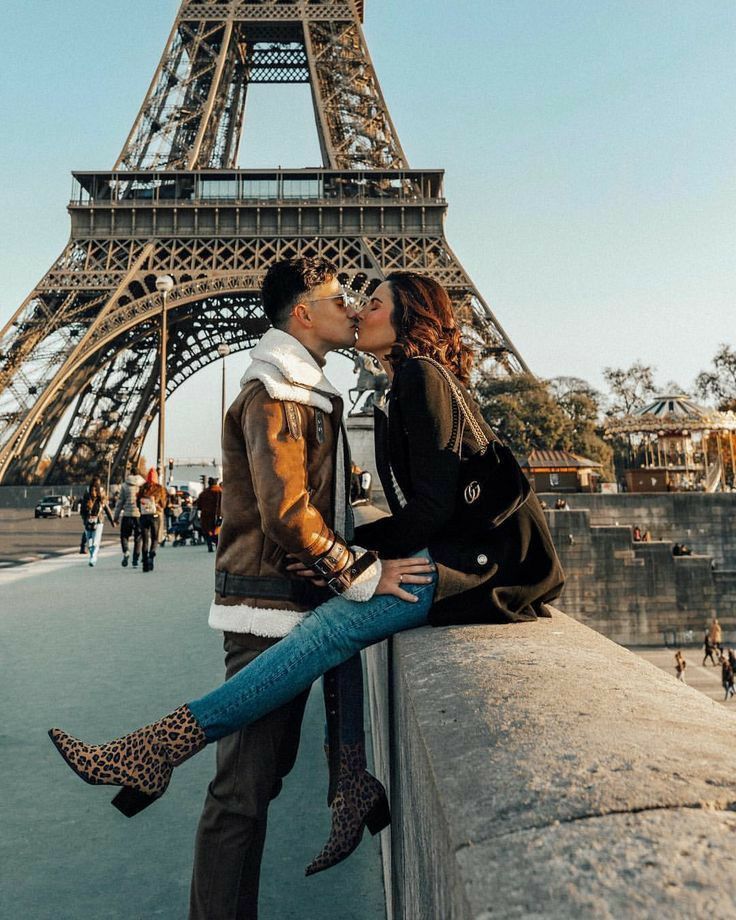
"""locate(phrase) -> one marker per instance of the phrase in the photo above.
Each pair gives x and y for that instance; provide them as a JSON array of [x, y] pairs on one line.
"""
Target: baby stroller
[[186, 529]]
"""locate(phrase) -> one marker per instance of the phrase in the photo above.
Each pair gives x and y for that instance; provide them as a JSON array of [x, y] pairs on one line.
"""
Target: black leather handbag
[[491, 484]]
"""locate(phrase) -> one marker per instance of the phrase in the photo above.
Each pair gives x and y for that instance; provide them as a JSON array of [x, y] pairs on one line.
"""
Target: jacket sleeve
[[278, 466], [426, 413], [120, 503]]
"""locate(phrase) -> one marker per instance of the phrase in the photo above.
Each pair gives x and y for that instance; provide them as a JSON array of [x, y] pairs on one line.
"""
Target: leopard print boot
[[141, 762], [359, 802]]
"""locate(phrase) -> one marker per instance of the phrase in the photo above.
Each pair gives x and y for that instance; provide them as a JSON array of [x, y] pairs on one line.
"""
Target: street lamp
[[223, 350], [109, 457], [164, 285], [112, 418]]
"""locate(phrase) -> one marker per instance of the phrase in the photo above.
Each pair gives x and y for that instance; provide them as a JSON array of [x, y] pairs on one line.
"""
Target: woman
[[152, 500], [507, 575], [94, 506]]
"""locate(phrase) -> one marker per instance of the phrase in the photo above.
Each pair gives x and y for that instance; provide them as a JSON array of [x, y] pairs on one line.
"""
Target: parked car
[[54, 506]]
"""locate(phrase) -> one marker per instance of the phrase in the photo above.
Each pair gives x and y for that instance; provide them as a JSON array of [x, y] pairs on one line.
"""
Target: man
[[127, 506], [209, 512], [287, 468]]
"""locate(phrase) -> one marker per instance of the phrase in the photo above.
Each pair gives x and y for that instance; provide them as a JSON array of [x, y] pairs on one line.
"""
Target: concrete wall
[[29, 496], [636, 593], [360, 435], [705, 522], [539, 770]]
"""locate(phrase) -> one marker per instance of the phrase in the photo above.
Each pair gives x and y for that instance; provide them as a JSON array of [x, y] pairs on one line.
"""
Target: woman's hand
[[398, 572], [394, 574]]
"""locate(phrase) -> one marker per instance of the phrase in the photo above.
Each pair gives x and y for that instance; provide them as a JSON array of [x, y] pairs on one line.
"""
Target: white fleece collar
[[289, 372]]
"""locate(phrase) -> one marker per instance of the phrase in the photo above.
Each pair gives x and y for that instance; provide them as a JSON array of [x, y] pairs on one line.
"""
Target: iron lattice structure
[[82, 348]]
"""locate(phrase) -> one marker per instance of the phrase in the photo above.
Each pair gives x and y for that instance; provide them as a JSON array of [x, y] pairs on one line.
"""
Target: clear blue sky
[[589, 149]]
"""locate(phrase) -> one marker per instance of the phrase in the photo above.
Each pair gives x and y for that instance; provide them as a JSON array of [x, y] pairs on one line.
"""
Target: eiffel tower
[[82, 348]]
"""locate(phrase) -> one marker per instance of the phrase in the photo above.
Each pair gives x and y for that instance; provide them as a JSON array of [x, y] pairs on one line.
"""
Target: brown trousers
[[251, 765]]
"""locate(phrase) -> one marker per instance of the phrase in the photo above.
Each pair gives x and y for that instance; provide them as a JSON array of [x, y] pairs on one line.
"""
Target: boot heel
[[379, 816], [130, 801]]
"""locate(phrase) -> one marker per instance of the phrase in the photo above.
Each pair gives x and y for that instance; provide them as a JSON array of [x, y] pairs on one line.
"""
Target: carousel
[[675, 445]]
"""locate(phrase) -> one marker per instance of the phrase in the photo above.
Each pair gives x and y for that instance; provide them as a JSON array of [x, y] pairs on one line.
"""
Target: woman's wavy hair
[[425, 324]]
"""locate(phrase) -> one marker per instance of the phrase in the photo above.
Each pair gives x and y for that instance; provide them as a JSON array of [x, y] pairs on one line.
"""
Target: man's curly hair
[[289, 280]]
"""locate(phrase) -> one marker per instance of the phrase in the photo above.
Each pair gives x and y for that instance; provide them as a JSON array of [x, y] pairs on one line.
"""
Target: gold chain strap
[[478, 432]]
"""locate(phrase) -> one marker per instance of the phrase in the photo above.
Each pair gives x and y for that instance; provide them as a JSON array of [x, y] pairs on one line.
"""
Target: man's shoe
[[135, 561], [124, 563], [141, 762]]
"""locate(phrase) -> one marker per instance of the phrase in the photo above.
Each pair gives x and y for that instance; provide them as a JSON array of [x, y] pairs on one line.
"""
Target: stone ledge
[[541, 770]]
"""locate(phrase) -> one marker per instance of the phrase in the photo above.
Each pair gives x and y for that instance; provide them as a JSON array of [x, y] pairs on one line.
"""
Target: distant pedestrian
[[93, 509], [646, 537], [637, 535], [172, 510], [708, 646], [355, 472], [366, 483], [732, 659], [726, 677], [680, 665], [129, 515], [715, 633], [152, 500], [210, 512]]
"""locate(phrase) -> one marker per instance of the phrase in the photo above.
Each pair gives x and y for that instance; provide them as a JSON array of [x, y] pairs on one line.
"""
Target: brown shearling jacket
[[278, 498]]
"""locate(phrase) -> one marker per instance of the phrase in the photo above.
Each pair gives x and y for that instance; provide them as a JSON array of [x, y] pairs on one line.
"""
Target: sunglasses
[[349, 300]]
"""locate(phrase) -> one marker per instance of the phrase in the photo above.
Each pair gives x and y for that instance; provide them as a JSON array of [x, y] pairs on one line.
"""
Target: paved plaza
[[99, 652], [24, 538], [705, 678]]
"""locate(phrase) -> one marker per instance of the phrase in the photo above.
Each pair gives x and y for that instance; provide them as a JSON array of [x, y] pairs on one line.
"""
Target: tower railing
[[208, 186]]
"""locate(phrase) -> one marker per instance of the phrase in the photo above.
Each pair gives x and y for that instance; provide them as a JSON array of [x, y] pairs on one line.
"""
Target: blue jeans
[[343, 689], [94, 539], [329, 635]]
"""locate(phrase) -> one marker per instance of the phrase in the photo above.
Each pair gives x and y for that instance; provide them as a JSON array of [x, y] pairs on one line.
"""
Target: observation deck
[[245, 202]]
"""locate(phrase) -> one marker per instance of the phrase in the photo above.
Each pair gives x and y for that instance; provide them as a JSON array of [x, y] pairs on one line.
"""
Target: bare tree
[[719, 383], [629, 387]]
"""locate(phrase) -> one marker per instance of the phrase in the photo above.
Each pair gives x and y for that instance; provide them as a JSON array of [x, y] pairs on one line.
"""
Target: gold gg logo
[[472, 492]]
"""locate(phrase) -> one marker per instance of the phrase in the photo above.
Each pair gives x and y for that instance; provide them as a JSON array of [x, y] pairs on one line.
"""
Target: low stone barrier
[[29, 496], [540, 770]]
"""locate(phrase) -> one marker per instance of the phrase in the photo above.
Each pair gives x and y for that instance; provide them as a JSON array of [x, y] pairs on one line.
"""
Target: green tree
[[581, 403], [522, 412], [532, 414]]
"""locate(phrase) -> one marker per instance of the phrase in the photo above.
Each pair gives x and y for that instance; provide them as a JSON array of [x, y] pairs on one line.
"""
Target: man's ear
[[302, 315]]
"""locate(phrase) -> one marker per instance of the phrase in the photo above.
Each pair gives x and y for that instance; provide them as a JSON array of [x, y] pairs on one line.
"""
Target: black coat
[[506, 575]]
